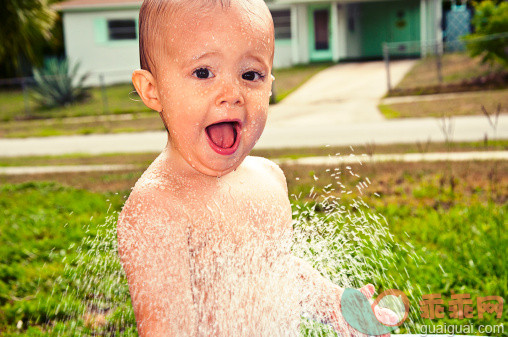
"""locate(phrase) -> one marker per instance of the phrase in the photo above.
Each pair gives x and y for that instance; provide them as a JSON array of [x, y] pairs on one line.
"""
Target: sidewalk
[[407, 130], [400, 157], [330, 160], [336, 107], [276, 135]]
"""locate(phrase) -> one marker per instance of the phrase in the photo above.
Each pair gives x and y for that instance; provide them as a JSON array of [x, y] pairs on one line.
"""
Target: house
[[102, 34]]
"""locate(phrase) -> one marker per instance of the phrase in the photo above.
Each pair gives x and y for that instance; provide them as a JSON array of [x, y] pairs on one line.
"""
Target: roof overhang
[[93, 5]]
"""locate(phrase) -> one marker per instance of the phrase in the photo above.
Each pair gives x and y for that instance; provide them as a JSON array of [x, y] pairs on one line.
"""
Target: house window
[[122, 30], [282, 23]]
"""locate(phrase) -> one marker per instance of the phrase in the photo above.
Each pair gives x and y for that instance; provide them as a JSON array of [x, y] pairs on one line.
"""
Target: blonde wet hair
[[154, 12]]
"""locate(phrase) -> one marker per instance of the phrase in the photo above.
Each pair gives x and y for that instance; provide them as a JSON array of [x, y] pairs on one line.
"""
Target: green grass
[[455, 217], [38, 238], [121, 99], [81, 159], [138, 122], [389, 111], [12, 105]]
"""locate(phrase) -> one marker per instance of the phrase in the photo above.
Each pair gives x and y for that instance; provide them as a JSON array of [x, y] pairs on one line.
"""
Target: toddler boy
[[204, 236]]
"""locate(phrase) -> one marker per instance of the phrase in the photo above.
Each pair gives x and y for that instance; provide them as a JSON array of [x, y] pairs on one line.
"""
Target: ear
[[145, 85]]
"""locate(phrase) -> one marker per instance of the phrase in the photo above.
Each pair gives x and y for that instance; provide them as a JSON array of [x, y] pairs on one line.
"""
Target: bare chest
[[234, 219], [235, 241]]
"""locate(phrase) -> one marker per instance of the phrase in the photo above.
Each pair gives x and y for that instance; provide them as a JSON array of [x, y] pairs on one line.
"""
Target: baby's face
[[214, 83]]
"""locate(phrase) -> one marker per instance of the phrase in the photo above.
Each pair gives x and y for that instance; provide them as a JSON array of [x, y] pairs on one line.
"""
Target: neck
[[176, 168]]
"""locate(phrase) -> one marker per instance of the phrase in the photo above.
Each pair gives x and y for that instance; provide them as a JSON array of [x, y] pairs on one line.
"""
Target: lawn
[[135, 122], [465, 104], [58, 242], [120, 100], [144, 159], [460, 72]]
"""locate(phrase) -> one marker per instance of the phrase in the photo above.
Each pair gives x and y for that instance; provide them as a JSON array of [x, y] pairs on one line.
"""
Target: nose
[[230, 93]]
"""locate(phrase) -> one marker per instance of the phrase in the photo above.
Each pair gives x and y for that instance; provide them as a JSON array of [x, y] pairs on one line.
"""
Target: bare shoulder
[[273, 178], [150, 200], [267, 167], [149, 216], [261, 162], [153, 249]]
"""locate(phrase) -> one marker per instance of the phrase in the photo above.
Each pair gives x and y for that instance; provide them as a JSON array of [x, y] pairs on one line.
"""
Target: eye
[[203, 73], [251, 76]]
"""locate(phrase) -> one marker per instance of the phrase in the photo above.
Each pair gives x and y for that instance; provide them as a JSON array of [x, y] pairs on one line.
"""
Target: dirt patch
[[439, 184], [487, 82]]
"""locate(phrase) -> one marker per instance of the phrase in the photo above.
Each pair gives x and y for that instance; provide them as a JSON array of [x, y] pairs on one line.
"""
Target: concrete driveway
[[343, 93]]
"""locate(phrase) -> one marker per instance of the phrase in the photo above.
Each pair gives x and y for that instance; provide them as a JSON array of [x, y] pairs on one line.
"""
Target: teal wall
[[320, 55], [388, 21]]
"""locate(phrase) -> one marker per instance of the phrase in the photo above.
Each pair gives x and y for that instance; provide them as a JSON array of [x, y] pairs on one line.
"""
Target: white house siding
[[339, 31], [114, 59], [354, 33], [117, 59], [431, 12], [283, 56], [300, 33]]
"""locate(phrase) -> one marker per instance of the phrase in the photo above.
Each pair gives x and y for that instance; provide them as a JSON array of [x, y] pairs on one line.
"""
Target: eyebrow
[[204, 54], [257, 58], [210, 53]]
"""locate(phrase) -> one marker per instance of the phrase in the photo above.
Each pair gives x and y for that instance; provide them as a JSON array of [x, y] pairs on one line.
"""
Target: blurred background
[[399, 105]]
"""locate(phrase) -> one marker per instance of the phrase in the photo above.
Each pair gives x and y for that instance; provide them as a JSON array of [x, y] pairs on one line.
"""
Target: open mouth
[[224, 136]]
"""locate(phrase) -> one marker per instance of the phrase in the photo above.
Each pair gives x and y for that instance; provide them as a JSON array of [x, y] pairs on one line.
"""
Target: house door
[[390, 21], [320, 48], [405, 22]]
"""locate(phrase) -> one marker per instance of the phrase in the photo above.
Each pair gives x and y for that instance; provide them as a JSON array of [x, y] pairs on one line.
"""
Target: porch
[[341, 30]]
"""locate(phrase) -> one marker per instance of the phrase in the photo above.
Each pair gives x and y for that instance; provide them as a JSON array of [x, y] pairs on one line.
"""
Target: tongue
[[222, 134]]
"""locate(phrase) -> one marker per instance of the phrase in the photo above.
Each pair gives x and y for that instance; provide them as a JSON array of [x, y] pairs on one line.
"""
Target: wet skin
[[203, 235], [215, 66]]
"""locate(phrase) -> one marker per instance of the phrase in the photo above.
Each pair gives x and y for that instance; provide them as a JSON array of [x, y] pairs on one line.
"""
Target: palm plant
[[26, 25], [59, 84]]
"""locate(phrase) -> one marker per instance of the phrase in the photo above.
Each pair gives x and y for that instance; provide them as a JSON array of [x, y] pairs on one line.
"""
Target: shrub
[[490, 39], [58, 84]]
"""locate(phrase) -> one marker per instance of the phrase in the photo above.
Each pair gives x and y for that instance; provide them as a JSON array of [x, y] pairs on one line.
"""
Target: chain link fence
[[106, 93], [444, 66]]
